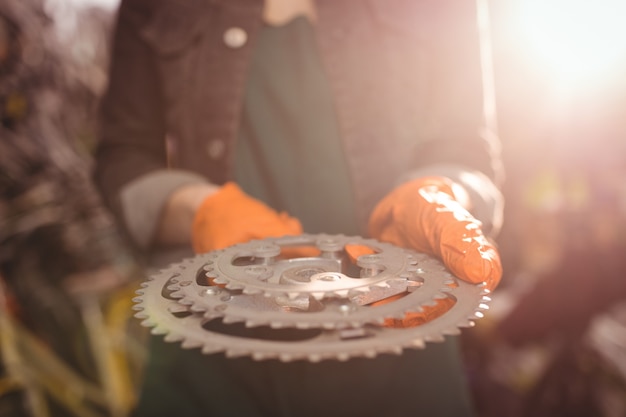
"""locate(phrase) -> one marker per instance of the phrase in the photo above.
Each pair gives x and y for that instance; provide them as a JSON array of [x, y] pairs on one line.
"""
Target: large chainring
[[256, 299]]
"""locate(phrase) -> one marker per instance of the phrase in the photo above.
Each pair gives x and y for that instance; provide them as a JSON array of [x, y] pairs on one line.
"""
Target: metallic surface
[[250, 300]]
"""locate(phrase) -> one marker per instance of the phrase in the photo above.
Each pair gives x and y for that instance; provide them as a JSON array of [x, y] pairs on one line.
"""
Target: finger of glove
[[393, 221], [456, 237], [469, 254]]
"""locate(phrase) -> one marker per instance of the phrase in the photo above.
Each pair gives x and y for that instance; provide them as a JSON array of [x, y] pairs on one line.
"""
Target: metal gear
[[304, 308], [255, 267]]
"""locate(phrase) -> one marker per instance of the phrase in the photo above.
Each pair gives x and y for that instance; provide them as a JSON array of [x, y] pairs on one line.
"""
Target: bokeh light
[[576, 43]]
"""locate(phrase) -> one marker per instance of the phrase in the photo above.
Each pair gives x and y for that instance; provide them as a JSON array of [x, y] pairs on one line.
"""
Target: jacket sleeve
[[466, 147], [131, 157]]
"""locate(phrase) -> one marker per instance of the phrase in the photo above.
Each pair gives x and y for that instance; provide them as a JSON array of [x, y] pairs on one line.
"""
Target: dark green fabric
[[187, 383], [289, 153]]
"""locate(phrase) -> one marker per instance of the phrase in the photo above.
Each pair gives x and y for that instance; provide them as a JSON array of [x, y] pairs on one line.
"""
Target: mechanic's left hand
[[424, 215]]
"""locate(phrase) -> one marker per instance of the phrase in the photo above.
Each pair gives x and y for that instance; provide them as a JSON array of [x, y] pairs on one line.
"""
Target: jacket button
[[215, 148], [235, 37]]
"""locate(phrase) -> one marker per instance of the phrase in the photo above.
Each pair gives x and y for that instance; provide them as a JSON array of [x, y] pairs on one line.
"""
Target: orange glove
[[230, 216], [424, 215]]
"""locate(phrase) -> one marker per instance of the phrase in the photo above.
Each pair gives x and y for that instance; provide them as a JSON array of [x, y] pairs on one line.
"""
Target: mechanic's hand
[[424, 215], [230, 216]]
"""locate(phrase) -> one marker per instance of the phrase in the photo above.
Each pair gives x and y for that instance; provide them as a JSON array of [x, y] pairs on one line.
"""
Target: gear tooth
[[173, 287], [220, 281], [329, 325], [177, 308], [210, 315], [341, 293], [483, 306], [142, 316], [137, 307], [352, 333], [370, 353], [416, 309], [343, 356], [430, 303], [286, 357], [396, 350], [318, 295], [486, 299], [185, 302], [251, 291], [230, 319], [148, 323], [398, 281], [274, 324], [478, 314], [137, 299], [190, 344], [452, 331], [177, 294], [436, 338], [467, 323], [314, 357], [197, 308], [237, 353], [417, 343], [233, 286], [172, 338], [158, 331], [259, 356], [211, 349], [293, 295], [303, 325]]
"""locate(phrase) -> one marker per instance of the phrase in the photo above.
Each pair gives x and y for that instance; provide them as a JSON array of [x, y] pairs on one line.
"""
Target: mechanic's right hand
[[230, 216]]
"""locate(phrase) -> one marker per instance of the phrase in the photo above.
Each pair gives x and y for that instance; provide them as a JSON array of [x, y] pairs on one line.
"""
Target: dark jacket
[[406, 77]]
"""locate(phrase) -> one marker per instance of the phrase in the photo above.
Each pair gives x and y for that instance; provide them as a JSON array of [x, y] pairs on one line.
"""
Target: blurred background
[[554, 342]]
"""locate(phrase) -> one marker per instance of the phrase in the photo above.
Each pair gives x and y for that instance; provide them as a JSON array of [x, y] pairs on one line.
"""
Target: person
[[56, 237], [60, 248], [232, 120]]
